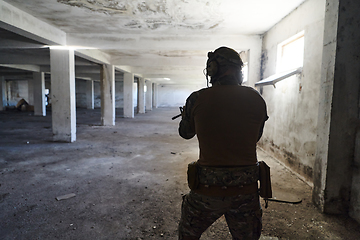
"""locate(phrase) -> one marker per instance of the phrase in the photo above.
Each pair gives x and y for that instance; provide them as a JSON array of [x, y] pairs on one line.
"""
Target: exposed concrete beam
[[155, 61], [14, 44], [22, 23], [124, 69], [129, 69], [169, 75], [45, 69], [87, 69], [170, 69], [93, 76], [31, 68], [170, 42], [96, 76], [83, 78], [17, 76], [22, 58], [93, 55]]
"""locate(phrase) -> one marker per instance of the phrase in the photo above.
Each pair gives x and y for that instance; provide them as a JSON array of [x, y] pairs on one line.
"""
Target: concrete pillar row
[[63, 95], [107, 95], [155, 95], [128, 95], [148, 98], [2, 93], [39, 93], [141, 92], [90, 94]]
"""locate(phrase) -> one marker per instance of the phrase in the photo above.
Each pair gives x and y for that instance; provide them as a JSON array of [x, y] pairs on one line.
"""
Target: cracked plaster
[[154, 17], [155, 14]]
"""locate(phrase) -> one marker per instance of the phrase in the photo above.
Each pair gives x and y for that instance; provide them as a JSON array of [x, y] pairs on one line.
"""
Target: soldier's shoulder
[[251, 90]]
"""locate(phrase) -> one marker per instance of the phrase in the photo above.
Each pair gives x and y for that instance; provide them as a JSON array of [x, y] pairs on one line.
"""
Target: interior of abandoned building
[[72, 66]]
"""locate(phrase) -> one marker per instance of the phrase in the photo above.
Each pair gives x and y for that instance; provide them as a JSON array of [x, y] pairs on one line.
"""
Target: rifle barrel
[[176, 116]]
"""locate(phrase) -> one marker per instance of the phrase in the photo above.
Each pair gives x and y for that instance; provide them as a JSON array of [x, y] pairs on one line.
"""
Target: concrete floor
[[128, 181]]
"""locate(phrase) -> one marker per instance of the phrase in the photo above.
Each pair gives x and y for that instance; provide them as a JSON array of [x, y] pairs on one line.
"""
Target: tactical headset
[[221, 56]]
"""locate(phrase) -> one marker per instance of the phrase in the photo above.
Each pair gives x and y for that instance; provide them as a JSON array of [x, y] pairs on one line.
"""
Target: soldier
[[228, 120]]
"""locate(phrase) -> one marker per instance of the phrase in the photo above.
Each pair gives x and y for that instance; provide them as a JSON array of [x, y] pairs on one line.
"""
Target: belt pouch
[[265, 181], [193, 175]]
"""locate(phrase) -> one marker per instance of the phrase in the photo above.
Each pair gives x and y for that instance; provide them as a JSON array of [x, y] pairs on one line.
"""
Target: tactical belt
[[226, 191]]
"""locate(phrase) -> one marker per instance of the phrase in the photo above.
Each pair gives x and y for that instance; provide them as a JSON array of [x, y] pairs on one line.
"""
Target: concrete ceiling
[[155, 39]]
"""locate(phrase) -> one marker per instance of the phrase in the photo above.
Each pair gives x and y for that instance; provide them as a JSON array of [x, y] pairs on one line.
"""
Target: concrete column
[[148, 98], [63, 95], [30, 99], [128, 95], [141, 91], [39, 93], [254, 64], [107, 85], [338, 119], [155, 95], [90, 94], [2, 93]]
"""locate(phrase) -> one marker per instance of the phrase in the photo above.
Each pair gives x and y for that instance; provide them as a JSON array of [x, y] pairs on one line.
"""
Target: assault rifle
[[179, 115]]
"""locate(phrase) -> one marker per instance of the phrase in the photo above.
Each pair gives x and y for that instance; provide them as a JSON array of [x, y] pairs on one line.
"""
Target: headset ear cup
[[212, 68]]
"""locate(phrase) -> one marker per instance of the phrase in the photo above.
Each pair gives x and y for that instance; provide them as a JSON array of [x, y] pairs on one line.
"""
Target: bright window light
[[291, 53], [245, 72]]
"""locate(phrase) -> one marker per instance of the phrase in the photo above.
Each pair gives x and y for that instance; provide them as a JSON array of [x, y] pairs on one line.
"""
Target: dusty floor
[[128, 180]]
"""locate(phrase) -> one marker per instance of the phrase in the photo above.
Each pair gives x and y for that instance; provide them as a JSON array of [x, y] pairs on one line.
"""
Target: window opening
[[291, 53]]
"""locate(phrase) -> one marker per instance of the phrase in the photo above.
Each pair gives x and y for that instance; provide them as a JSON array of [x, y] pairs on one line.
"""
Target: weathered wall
[[290, 132], [119, 94], [97, 94], [16, 90], [80, 86], [81, 94], [175, 95], [337, 175]]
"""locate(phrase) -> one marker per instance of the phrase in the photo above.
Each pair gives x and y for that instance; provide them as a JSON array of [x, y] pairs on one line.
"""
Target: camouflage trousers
[[243, 215]]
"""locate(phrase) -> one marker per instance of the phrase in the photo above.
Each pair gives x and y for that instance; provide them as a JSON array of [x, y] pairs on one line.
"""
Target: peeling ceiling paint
[[110, 6], [155, 14], [159, 16]]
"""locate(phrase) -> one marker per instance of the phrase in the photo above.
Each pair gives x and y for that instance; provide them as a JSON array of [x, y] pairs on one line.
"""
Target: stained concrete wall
[[175, 95], [119, 94], [80, 86], [81, 94], [336, 178], [290, 132], [97, 94], [16, 90]]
